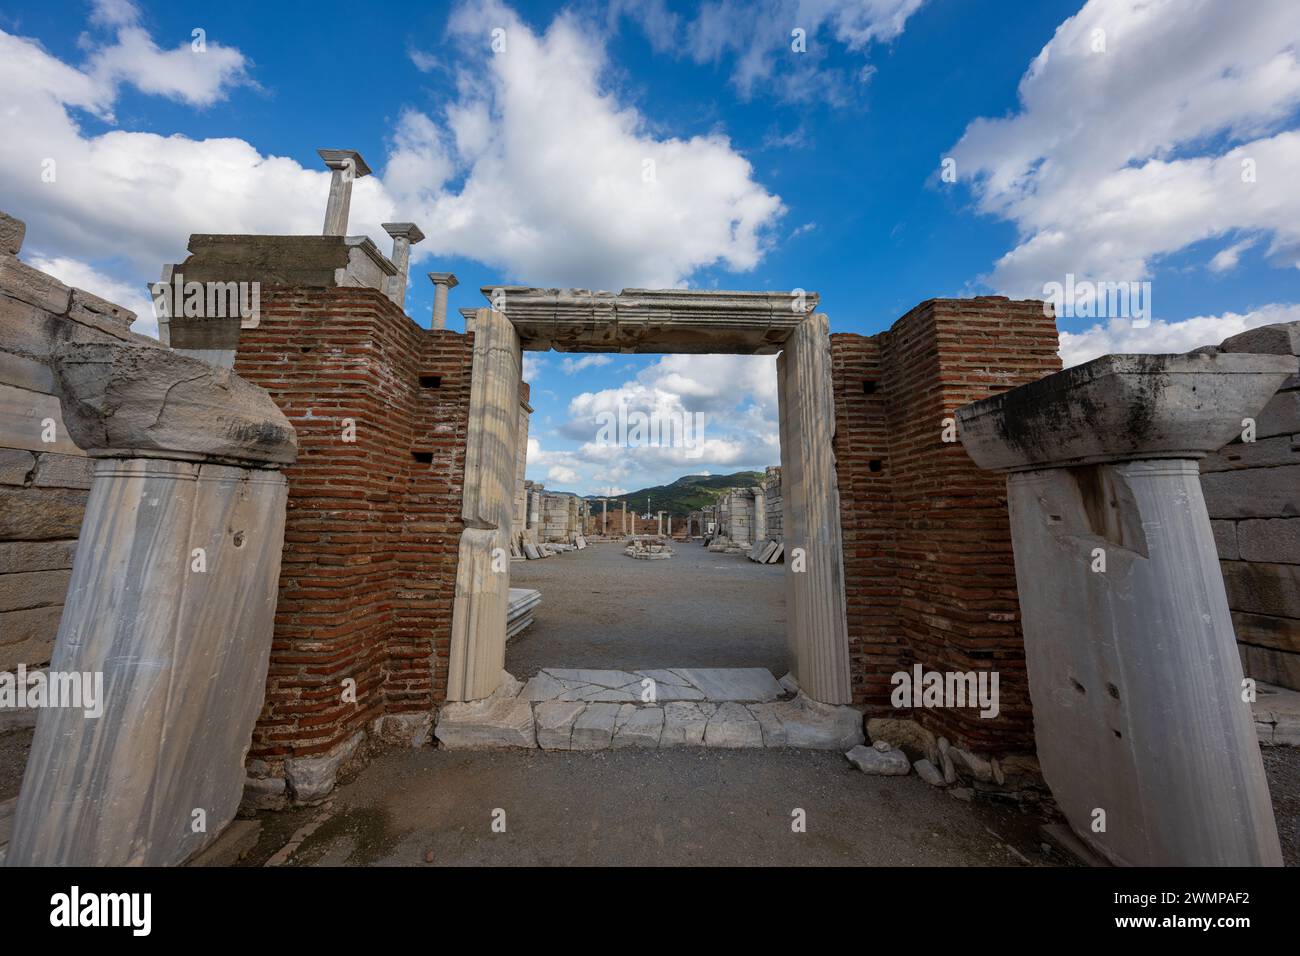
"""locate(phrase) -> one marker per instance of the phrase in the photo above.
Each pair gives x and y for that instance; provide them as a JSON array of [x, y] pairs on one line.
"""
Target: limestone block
[[1225, 539], [929, 773], [1281, 338], [732, 726], [594, 727], [88, 307], [39, 514], [1266, 630], [1281, 416], [883, 763], [402, 730], [27, 636], [184, 666], [1271, 665], [64, 471], [16, 466], [1269, 539], [149, 399], [811, 724], [16, 556], [1257, 493], [555, 720], [265, 793], [23, 422], [685, 723], [31, 589], [1263, 453], [22, 282], [638, 726], [21, 371], [1262, 588], [907, 735]]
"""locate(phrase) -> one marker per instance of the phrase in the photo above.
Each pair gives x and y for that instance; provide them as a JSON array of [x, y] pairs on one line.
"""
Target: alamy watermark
[[208, 300], [1099, 300], [922, 688], [632, 429], [72, 689]]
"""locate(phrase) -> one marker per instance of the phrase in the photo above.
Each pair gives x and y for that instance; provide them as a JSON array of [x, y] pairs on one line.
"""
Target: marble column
[[405, 235], [604, 516], [443, 282], [1136, 683], [346, 165], [478, 626], [760, 515], [816, 621], [171, 604]]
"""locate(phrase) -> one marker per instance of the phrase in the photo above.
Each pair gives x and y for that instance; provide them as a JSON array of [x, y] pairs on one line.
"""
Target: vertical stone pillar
[[478, 626], [1133, 668], [346, 165], [604, 516], [405, 235], [171, 605], [817, 626], [442, 283], [760, 514]]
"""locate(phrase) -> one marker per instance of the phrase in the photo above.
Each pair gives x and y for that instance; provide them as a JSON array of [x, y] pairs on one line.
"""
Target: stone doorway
[[654, 321]]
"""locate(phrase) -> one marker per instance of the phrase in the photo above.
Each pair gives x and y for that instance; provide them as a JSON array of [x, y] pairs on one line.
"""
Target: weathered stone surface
[[233, 844], [555, 722], [64, 471], [22, 282], [973, 764], [1266, 630], [638, 726], [888, 763], [809, 724], [1269, 539], [685, 723], [11, 235], [1281, 338], [27, 637], [594, 727], [16, 466], [1271, 665], [309, 780], [17, 556], [907, 735], [178, 712], [732, 683], [732, 726], [23, 418], [301, 261], [1263, 493], [1277, 716], [402, 730], [929, 773], [1225, 539], [32, 589], [1264, 453], [88, 306], [1191, 405], [265, 793], [504, 719], [149, 399], [40, 514], [1263, 588]]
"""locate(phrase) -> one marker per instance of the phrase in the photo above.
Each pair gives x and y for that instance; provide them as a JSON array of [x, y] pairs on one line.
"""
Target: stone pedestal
[[1143, 731]]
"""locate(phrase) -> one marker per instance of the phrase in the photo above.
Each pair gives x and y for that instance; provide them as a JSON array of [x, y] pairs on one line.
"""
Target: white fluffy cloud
[[759, 38], [537, 168], [572, 366], [1140, 126], [735, 394], [1118, 335]]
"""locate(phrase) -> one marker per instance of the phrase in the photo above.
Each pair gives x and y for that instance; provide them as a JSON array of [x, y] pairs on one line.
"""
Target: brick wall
[[929, 571], [369, 564]]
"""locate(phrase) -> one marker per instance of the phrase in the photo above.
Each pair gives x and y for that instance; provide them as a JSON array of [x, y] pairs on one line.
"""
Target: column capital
[[444, 278], [1121, 408], [404, 230], [341, 159]]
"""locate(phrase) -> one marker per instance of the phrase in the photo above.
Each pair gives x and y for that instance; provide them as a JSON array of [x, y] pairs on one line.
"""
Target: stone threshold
[[575, 709]]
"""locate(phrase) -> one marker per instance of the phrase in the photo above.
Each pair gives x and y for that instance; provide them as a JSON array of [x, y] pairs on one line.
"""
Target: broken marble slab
[[809, 724], [594, 727], [685, 723], [745, 684], [555, 720], [638, 726], [732, 726]]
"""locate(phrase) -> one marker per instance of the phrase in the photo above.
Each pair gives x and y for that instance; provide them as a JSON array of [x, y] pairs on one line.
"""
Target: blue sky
[[1104, 139]]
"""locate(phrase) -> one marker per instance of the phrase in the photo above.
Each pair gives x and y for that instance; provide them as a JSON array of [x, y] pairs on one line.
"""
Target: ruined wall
[[43, 484], [929, 572], [373, 524], [1252, 492], [773, 502]]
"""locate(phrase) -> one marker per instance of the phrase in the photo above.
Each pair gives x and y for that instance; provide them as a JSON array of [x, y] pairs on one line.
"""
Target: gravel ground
[[651, 808], [602, 609]]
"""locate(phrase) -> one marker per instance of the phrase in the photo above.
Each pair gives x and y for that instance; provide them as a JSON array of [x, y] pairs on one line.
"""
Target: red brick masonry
[[929, 573], [369, 565]]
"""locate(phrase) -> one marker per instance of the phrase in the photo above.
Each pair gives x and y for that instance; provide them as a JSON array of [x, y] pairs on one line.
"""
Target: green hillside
[[686, 494]]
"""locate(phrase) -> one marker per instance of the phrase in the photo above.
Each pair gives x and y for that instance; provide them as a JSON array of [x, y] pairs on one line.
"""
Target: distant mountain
[[686, 494]]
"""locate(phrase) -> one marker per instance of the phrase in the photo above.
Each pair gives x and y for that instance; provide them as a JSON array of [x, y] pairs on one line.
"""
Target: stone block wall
[[373, 525], [772, 498], [928, 565], [43, 484], [1252, 492]]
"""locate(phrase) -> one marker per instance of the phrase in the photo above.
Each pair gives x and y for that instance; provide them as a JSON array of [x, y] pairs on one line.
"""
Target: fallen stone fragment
[[887, 763], [929, 773]]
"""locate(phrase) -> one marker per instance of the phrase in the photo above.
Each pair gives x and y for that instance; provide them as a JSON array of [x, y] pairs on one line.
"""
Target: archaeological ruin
[[286, 541]]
